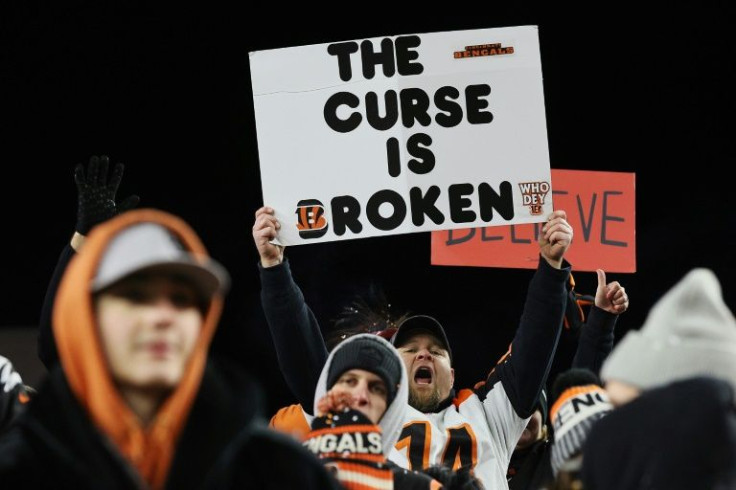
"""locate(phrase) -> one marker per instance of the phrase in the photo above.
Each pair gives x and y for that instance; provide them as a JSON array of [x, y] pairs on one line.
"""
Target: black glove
[[96, 195]]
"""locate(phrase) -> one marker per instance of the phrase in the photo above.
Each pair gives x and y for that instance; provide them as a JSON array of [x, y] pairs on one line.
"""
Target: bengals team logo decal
[[311, 221], [491, 49], [533, 195]]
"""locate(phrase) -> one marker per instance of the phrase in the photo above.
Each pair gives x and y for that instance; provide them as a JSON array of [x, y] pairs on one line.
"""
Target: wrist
[[77, 241], [270, 262], [556, 263]]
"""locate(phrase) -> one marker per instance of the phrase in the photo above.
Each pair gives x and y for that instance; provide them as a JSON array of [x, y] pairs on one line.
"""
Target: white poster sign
[[403, 134]]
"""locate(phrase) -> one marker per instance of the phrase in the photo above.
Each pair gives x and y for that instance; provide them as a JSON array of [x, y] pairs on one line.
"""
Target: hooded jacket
[[393, 418], [679, 436], [79, 433], [389, 426]]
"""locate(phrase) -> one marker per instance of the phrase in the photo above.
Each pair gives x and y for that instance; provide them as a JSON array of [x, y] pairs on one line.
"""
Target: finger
[[271, 233], [550, 224], [268, 220], [117, 175], [264, 210], [92, 169], [558, 225], [559, 237], [128, 203], [79, 174], [263, 221], [102, 175], [612, 289], [565, 226], [554, 221], [323, 405], [548, 229], [622, 302], [264, 235], [344, 400], [601, 278], [558, 213]]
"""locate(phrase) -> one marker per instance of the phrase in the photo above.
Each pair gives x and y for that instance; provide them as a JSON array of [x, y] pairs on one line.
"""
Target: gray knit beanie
[[370, 354], [689, 332]]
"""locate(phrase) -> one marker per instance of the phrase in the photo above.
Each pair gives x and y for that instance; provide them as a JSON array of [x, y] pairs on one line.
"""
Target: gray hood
[[393, 419]]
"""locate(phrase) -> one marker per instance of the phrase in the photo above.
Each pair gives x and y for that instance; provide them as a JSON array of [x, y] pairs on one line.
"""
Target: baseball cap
[[415, 323], [150, 246]]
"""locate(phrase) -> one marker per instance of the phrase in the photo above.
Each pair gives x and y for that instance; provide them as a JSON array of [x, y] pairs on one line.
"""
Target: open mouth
[[423, 376]]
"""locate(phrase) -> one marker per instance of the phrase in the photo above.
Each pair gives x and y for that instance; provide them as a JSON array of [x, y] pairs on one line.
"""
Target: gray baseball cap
[[150, 246]]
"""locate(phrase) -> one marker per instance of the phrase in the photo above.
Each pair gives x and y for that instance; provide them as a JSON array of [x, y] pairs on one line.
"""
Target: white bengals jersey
[[471, 431]]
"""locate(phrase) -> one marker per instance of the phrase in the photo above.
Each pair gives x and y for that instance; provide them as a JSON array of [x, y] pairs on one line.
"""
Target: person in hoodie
[[369, 312], [361, 401], [134, 401], [673, 385]]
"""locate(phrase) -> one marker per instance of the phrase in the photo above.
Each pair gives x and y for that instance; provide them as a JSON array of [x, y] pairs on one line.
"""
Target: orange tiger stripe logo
[[311, 221]]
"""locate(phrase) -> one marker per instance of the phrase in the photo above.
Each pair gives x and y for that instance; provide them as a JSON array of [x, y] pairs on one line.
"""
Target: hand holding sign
[[265, 229], [555, 238]]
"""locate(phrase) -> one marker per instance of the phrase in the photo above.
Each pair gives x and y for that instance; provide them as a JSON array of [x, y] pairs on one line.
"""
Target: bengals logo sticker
[[311, 221]]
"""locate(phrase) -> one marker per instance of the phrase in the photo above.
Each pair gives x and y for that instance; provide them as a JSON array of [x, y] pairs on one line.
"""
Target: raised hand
[[555, 238], [610, 297], [265, 229], [96, 193]]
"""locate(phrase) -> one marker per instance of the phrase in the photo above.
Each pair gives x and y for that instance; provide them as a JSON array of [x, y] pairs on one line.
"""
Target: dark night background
[[166, 90]]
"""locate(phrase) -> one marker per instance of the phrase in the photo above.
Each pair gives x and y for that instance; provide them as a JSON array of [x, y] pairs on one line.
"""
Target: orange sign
[[600, 208]]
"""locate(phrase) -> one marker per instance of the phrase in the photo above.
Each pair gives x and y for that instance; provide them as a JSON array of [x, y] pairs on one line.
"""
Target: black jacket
[[530, 468], [225, 444], [679, 436]]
